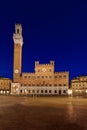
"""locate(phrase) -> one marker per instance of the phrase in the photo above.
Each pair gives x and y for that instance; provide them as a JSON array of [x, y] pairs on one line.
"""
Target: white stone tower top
[[17, 36]]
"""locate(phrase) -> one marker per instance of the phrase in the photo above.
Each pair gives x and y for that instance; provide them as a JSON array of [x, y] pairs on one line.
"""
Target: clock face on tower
[[44, 69], [16, 71]]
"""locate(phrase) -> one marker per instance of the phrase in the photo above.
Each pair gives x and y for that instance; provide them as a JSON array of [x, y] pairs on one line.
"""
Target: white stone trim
[[18, 39], [26, 90]]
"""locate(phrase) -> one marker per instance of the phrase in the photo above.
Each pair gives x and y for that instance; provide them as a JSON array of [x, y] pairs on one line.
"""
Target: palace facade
[[44, 81], [5, 86], [78, 85]]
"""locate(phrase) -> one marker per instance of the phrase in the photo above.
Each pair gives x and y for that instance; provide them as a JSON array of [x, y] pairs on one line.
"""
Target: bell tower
[[18, 42]]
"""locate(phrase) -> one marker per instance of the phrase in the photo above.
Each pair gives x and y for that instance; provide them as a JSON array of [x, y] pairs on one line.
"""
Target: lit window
[[7, 92]]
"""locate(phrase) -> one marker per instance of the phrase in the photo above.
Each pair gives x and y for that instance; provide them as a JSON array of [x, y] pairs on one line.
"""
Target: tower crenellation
[[18, 29]]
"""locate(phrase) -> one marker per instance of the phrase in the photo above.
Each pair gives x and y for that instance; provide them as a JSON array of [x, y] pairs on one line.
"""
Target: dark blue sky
[[52, 30]]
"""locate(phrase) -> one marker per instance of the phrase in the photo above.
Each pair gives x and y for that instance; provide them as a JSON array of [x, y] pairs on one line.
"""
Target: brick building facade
[[44, 81]]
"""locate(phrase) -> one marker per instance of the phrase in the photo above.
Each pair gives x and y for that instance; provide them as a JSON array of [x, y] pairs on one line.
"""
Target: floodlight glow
[[69, 92]]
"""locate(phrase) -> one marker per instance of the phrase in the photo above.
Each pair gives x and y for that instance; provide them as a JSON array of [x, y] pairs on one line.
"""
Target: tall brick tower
[[18, 42]]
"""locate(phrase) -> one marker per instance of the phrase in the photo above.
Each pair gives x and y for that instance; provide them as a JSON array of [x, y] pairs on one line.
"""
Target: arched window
[[21, 91], [17, 31], [59, 92]]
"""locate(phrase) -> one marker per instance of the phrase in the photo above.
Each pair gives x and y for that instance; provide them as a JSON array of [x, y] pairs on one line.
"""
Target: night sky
[[52, 30]]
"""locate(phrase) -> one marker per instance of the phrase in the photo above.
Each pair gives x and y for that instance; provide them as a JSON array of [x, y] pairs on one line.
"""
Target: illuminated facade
[[44, 81], [79, 85], [5, 86]]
